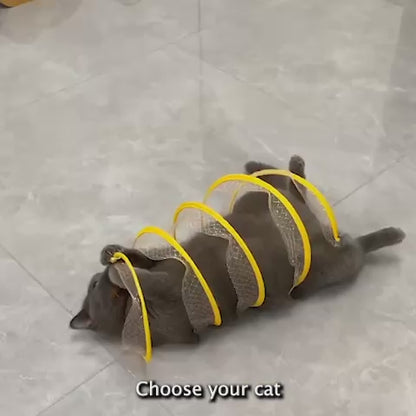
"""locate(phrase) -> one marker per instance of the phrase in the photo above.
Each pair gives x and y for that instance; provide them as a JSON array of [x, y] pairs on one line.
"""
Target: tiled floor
[[112, 112]]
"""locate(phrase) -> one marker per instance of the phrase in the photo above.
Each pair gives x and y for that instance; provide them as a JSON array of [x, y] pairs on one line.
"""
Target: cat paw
[[297, 165], [108, 252]]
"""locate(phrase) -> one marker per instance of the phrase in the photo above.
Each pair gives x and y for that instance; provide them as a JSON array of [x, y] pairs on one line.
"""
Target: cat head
[[104, 307], [107, 303]]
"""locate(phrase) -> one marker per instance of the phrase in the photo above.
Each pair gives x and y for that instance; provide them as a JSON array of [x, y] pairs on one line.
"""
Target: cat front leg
[[136, 257], [253, 166], [297, 166]]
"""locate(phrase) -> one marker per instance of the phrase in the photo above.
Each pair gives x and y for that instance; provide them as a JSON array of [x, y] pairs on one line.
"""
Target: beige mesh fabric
[[318, 211], [133, 330], [290, 235], [238, 193], [241, 273], [196, 303], [155, 247], [194, 298]]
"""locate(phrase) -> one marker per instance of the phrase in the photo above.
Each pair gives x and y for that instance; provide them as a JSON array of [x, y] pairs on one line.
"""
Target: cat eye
[[94, 284]]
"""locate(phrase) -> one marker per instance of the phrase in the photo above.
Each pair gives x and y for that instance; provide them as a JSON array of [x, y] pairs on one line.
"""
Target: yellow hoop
[[310, 187], [171, 240], [208, 210], [146, 325], [293, 213]]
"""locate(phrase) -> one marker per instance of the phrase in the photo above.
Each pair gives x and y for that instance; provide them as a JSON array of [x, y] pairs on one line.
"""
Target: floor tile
[[40, 360], [353, 18], [110, 393], [384, 387], [321, 58], [50, 45], [388, 283]]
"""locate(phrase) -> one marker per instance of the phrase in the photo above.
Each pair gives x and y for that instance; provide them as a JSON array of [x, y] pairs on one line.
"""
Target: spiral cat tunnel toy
[[245, 275]]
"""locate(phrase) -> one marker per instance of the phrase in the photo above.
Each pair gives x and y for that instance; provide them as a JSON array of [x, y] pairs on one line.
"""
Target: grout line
[[119, 70], [32, 276], [247, 82], [58, 302], [199, 16], [166, 408], [370, 180], [76, 388], [134, 376], [50, 94], [278, 100], [201, 112]]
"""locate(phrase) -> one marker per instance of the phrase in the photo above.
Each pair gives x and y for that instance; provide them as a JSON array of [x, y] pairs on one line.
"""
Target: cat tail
[[382, 238]]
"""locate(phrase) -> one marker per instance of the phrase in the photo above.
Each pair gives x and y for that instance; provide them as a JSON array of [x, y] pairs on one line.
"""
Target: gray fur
[[162, 280]]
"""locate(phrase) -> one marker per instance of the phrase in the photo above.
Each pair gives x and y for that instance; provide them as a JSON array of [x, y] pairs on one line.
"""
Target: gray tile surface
[[52, 45], [40, 360], [112, 112], [111, 392]]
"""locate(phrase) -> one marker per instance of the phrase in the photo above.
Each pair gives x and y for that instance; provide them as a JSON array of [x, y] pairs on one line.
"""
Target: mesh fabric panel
[[241, 273], [241, 194], [194, 298], [318, 211]]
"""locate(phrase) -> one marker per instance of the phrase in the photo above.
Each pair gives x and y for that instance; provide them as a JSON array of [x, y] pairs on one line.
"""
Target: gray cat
[[107, 303]]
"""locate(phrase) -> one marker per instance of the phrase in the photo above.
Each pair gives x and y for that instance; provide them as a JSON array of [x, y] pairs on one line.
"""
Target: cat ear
[[81, 320]]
